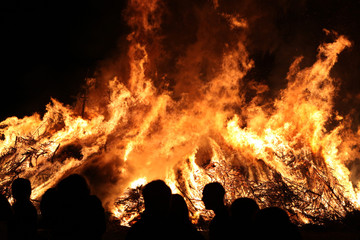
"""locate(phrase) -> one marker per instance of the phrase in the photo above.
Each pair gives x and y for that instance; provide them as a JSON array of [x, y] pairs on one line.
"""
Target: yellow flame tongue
[[280, 152]]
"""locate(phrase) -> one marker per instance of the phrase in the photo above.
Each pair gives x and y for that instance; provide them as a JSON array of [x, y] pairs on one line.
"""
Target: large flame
[[290, 151]]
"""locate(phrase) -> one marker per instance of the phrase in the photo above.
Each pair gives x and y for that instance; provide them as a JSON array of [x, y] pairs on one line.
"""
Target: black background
[[49, 47]]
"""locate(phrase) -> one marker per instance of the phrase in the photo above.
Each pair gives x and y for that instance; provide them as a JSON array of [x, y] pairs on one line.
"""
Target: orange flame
[[144, 132]]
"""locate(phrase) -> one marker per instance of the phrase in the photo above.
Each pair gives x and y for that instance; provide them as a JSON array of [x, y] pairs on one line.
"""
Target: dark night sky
[[49, 47]]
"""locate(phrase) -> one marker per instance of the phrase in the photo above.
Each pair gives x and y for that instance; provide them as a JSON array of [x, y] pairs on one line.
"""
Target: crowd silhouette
[[166, 216], [69, 211]]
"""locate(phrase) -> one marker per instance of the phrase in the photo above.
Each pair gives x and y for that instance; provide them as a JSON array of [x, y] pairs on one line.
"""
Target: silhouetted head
[[213, 195], [275, 223], [48, 201], [74, 186], [178, 208], [21, 189], [352, 219], [272, 219], [157, 197], [244, 209]]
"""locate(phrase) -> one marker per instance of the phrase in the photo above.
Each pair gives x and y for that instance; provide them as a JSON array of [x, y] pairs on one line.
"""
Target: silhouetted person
[[213, 198], [79, 215], [182, 227], [6, 218], [48, 207], [242, 214], [274, 223], [25, 215], [352, 220], [154, 222]]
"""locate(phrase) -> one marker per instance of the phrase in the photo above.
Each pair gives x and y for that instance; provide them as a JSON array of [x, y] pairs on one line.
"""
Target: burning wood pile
[[322, 203], [22, 159], [146, 123]]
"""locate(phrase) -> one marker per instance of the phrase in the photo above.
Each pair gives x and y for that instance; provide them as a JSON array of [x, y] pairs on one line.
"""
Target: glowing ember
[[280, 152]]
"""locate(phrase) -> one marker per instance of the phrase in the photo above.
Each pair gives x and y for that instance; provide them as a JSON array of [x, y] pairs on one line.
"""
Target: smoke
[[105, 176]]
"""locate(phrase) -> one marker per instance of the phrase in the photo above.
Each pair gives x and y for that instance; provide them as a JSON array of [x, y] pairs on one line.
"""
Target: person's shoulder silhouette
[[96, 217], [179, 211], [80, 215], [153, 223], [180, 221], [6, 218], [242, 215], [25, 214], [49, 206], [274, 223], [213, 198]]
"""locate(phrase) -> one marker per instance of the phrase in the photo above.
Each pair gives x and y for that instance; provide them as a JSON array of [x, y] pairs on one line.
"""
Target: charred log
[[68, 151]]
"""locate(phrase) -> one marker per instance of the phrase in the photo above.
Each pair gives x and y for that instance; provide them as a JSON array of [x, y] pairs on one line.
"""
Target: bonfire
[[290, 151]]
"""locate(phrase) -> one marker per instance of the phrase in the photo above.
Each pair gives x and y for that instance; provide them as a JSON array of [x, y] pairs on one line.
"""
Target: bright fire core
[[291, 151]]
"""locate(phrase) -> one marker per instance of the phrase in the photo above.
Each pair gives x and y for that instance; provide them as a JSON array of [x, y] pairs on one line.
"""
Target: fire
[[279, 151], [138, 182]]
